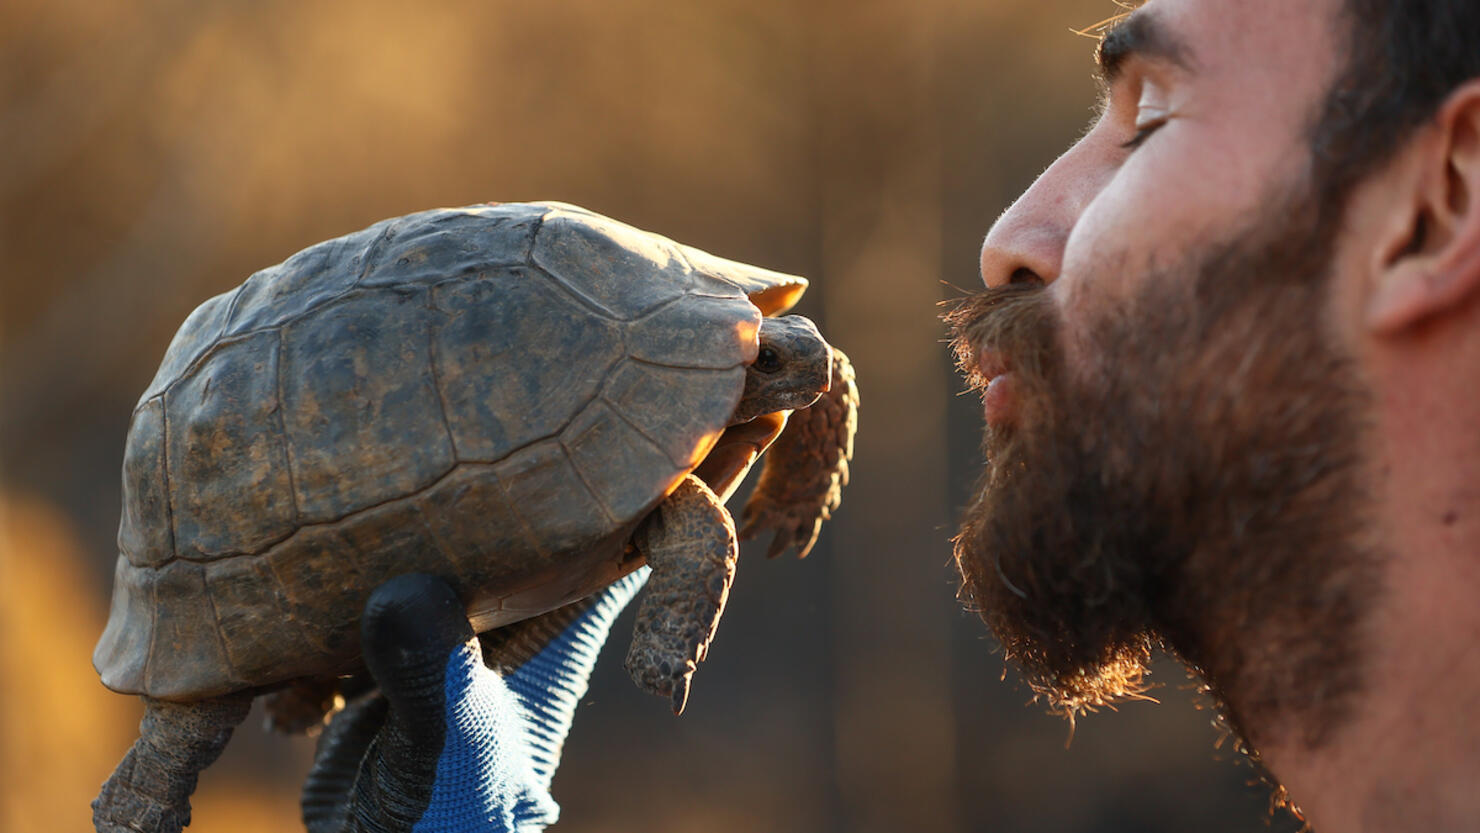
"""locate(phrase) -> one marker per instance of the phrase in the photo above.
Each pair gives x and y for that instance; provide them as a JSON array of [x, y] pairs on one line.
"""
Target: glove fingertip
[[411, 626], [414, 611]]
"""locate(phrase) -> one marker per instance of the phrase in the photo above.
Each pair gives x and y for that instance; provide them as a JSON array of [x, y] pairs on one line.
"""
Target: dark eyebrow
[[1144, 35]]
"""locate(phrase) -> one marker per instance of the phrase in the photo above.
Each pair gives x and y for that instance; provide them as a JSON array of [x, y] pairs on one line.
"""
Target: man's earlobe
[[1432, 266]]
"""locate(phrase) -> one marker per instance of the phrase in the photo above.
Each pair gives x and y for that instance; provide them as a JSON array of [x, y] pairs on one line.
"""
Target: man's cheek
[[1182, 190], [1107, 248]]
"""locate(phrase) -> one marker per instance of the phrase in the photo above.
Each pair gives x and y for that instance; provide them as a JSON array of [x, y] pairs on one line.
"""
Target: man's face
[[1174, 424]]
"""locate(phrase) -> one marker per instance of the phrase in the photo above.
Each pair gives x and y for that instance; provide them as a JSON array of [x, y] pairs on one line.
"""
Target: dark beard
[[1197, 488]]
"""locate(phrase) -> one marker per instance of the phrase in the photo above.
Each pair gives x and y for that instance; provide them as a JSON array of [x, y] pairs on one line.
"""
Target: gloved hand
[[447, 744]]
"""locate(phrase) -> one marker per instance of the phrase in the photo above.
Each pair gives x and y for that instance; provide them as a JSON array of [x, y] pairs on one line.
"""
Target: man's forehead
[[1231, 32], [1236, 22]]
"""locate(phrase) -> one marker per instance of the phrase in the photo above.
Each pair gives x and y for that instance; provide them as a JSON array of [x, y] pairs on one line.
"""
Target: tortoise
[[501, 395]]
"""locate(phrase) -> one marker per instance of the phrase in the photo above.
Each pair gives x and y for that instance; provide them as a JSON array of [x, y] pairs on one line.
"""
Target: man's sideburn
[[1198, 486]]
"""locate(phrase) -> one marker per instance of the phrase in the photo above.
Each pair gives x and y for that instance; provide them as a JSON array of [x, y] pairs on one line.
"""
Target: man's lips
[[999, 397], [991, 363]]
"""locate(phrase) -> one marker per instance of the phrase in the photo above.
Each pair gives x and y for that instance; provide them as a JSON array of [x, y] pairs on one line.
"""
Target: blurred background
[[156, 152]]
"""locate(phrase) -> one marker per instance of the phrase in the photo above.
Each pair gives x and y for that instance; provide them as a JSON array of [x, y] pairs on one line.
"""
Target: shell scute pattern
[[229, 486], [362, 414], [767, 290], [145, 531], [697, 332], [241, 589], [622, 468], [472, 516], [193, 662], [593, 258], [432, 246], [322, 582], [514, 320], [198, 334], [309, 279], [642, 394], [563, 519], [130, 630]]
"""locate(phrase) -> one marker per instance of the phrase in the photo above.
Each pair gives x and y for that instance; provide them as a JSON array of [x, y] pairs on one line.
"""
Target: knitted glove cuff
[[551, 684]]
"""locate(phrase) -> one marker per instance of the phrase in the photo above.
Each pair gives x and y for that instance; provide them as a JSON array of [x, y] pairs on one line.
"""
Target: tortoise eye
[[768, 360]]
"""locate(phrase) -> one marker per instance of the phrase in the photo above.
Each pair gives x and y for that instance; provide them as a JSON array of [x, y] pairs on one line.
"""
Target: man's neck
[[1407, 759], [1409, 756]]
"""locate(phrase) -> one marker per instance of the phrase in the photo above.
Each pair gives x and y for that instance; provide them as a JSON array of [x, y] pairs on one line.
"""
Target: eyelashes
[[1143, 133]]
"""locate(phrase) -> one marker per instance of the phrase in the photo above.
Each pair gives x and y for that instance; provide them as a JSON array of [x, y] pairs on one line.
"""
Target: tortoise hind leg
[[304, 706], [689, 541], [150, 790]]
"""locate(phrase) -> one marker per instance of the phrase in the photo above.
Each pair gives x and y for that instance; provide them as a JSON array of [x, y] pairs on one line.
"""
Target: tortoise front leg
[[150, 790], [802, 480], [689, 541]]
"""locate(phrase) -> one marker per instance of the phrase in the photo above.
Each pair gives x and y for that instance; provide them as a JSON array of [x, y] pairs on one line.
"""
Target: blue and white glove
[[447, 744]]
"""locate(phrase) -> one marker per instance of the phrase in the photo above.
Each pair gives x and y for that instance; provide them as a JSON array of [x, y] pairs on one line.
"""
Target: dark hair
[[1404, 57]]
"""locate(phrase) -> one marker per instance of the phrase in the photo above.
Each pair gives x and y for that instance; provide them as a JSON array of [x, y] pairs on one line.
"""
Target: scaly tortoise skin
[[501, 395]]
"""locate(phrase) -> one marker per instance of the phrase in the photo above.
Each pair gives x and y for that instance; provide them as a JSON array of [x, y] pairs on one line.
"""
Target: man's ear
[[1431, 265]]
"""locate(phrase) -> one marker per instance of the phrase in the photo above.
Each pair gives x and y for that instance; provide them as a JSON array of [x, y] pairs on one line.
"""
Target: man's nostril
[[1022, 275]]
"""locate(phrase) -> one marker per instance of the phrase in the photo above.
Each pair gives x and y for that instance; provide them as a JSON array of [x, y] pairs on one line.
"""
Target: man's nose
[[1026, 244]]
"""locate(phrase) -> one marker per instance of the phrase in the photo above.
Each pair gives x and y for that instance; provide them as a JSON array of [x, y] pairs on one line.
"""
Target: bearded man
[[1229, 357]]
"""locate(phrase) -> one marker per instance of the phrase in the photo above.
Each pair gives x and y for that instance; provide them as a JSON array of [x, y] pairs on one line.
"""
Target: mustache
[[1016, 325]]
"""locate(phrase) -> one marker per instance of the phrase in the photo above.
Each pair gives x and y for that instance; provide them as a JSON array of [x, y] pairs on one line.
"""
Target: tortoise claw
[[800, 532], [673, 684], [680, 694]]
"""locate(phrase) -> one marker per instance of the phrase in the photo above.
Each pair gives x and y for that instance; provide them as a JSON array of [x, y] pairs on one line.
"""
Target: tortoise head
[[791, 369]]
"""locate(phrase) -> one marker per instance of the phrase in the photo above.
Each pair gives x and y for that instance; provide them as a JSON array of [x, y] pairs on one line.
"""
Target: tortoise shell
[[495, 394]]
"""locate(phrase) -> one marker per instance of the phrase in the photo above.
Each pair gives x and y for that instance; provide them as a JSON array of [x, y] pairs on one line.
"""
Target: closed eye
[[1143, 133]]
